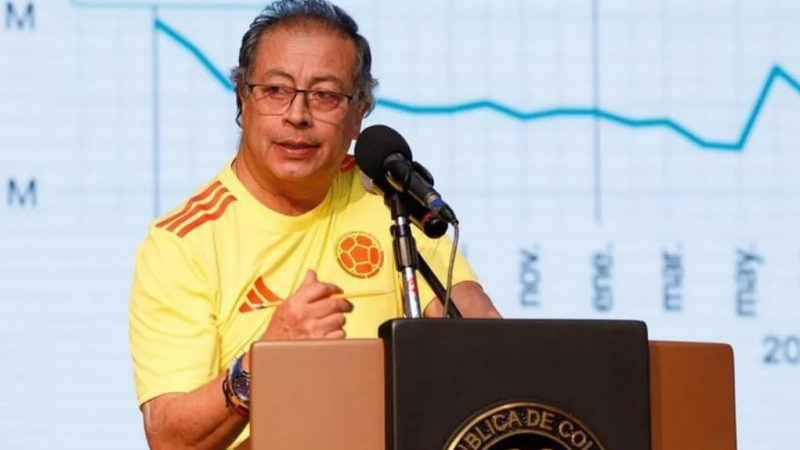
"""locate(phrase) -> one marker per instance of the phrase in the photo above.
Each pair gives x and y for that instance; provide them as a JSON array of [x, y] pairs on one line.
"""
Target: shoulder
[[184, 236], [207, 204]]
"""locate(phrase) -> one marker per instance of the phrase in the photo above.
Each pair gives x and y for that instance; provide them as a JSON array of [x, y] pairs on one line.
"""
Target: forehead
[[306, 52]]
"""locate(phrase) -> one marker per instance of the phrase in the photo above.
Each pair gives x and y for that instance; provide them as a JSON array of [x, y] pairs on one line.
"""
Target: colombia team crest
[[359, 254]]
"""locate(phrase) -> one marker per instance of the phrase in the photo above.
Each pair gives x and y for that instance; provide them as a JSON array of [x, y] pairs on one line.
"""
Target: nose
[[298, 115]]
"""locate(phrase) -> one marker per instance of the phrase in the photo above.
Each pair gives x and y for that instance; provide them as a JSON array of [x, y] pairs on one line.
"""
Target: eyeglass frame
[[350, 97]]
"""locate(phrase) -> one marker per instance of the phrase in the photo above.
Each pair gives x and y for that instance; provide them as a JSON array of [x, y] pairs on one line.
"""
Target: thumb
[[311, 278]]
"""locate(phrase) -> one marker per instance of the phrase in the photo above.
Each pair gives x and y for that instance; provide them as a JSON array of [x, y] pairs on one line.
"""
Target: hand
[[310, 313]]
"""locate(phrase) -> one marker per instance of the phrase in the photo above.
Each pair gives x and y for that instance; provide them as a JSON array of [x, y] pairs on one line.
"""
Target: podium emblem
[[524, 426], [359, 254]]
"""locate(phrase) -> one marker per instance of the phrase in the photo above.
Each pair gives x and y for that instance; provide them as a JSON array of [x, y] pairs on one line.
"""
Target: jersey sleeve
[[172, 318], [437, 254]]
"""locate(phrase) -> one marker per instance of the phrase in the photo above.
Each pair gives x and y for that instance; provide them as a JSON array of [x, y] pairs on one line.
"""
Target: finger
[[329, 306], [330, 323], [348, 306], [336, 334]]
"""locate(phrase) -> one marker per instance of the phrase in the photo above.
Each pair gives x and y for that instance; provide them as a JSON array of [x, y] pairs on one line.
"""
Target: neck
[[290, 199]]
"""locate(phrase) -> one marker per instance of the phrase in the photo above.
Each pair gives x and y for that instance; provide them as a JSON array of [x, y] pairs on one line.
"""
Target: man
[[261, 251]]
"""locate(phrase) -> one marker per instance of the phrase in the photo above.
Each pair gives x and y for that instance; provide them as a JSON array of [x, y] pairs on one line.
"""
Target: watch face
[[241, 387]]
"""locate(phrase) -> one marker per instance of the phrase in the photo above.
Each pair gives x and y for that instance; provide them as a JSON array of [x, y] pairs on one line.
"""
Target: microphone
[[385, 157], [421, 217]]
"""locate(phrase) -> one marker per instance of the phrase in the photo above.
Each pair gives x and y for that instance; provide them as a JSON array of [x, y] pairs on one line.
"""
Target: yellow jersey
[[207, 266]]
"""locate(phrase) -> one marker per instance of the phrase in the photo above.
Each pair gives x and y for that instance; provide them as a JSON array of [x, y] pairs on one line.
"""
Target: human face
[[295, 147]]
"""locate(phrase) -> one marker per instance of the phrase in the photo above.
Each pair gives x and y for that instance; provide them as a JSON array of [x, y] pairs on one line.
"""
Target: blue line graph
[[196, 52], [776, 73]]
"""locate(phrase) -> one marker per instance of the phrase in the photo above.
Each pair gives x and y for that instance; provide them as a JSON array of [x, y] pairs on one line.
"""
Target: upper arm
[[173, 335]]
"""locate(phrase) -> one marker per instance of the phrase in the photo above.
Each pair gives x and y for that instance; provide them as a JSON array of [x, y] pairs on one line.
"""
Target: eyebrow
[[315, 80]]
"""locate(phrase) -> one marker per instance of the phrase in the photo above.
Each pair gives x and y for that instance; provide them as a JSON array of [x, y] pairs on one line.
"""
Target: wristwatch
[[240, 380], [237, 388]]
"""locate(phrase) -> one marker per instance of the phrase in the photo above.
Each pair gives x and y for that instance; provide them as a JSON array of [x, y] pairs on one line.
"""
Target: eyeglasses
[[276, 99]]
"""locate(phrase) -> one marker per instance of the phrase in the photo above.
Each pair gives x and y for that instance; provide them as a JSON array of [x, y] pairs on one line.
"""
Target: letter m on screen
[[20, 18], [18, 196]]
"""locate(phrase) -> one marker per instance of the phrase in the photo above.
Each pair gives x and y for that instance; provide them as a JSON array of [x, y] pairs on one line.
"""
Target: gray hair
[[294, 12]]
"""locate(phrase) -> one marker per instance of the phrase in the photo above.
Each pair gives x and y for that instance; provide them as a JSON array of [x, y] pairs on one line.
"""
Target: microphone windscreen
[[374, 145]]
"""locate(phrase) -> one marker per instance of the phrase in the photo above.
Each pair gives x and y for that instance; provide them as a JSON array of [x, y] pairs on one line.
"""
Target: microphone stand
[[405, 254], [408, 261]]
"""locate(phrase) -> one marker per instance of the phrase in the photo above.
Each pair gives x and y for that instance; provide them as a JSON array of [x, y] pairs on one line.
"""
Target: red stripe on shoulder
[[348, 164], [228, 199], [189, 204], [199, 208]]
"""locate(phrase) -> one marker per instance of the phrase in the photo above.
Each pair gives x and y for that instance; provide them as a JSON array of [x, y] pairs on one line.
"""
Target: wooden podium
[[336, 395]]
